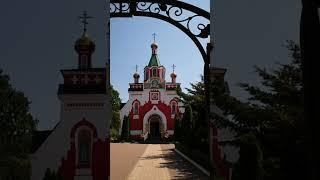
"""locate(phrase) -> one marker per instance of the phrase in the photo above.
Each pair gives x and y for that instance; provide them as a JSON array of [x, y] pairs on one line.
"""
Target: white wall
[[55, 147]]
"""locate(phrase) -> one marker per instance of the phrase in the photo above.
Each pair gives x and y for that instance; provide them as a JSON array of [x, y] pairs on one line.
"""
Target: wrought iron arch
[[177, 13]]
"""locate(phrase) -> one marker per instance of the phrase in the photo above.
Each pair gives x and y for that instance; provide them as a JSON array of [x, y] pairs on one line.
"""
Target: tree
[[249, 166], [125, 132], [273, 114], [195, 98], [17, 125], [194, 127], [177, 127], [186, 126], [116, 102]]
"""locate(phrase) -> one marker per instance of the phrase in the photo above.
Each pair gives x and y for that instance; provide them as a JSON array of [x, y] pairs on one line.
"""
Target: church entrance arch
[[155, 126], [154, 116]]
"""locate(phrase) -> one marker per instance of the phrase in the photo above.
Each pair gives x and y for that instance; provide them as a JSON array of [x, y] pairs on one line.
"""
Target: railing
[[190, 19], [172, 86]]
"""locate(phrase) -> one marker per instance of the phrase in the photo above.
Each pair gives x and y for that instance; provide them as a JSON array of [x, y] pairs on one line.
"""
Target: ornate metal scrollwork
[[193, 21]]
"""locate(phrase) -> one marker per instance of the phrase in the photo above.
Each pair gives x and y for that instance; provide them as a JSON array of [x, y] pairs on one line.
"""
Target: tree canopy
[[17, 126], [192, 127], [273, 114], [116, 102]]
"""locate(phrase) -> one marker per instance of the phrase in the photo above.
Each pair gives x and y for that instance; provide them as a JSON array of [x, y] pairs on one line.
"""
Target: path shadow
[[179, 168]]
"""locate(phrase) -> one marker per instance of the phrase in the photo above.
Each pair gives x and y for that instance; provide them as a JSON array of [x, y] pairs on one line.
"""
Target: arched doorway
[[155, 126]]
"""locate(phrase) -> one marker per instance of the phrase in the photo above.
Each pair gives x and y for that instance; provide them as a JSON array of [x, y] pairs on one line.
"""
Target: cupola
[[136, 75], [84, 46], [173, 75], [154, 60]]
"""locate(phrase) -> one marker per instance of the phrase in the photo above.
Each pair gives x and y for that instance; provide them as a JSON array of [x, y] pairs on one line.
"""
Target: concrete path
[[152, 162], [123, 158], [150, 165]]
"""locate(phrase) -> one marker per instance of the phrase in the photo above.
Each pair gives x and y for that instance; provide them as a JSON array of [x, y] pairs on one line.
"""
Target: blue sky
[[38, 37], [130, 46]]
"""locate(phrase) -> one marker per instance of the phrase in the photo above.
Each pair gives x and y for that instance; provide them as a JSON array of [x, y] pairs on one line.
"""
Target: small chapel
[[153, 102]]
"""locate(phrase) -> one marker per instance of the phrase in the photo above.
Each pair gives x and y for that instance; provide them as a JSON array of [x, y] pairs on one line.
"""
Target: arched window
[[136, 108], [154, 72], [146, 73], [84, 148], [145, 76], [173, 108]]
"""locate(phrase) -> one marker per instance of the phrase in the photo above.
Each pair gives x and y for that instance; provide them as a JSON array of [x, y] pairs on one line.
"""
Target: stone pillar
[[162, 132], [146, 128]]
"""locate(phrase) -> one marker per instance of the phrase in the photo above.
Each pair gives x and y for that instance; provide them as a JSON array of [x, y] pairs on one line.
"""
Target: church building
[[152, 103], [78, 146]]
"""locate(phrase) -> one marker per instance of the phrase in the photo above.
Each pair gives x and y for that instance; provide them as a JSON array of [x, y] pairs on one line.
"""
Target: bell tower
[[78, 147], [154, 72]]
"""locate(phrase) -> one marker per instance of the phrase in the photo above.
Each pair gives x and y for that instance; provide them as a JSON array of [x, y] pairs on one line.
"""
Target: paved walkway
[[156, 162], [124, 157], [150, 166]]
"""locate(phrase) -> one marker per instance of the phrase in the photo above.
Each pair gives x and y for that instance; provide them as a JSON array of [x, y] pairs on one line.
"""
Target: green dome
[[154, 60]]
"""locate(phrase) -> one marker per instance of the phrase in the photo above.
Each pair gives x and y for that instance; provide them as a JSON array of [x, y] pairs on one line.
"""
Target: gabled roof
[[38, 137], [121, 105]]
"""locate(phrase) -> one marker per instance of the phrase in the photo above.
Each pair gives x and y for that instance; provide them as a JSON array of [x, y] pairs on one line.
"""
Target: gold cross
[[173, 66], [154, 37], [84, 19]]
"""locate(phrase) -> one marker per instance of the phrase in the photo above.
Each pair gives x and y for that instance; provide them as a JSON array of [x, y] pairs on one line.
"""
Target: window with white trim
[[154, 72], [84, 148], [136, 108]]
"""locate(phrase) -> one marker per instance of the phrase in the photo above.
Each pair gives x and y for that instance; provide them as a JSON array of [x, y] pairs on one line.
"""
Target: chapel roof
[[154, 60]]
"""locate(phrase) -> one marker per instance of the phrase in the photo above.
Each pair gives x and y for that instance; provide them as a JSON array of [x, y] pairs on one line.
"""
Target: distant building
[[152, 103]]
